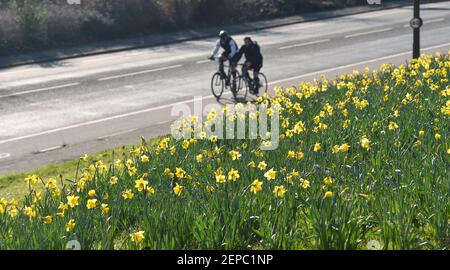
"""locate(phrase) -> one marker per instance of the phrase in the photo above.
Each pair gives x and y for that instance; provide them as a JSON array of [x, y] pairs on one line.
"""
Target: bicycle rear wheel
[[217, 85], [264, 83]]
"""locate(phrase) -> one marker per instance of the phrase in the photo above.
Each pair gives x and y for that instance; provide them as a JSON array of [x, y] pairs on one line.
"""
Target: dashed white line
[[139, 73], [207, 97], [50, 149], [116, 134], [433, 20], [4, 155], [304, 44], [203, 62], [20, 70], [40, 90], [98, 59], [368, 33], [425, 22]]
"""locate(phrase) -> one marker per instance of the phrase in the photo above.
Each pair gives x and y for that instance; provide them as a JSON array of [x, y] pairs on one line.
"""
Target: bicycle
[[219, 84], [251, 84]]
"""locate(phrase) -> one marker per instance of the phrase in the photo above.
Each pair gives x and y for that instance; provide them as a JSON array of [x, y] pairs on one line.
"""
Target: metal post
[[416, 27]]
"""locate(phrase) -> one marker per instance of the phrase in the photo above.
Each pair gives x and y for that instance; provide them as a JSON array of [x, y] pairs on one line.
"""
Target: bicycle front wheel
[[241, 90], [217, 85]]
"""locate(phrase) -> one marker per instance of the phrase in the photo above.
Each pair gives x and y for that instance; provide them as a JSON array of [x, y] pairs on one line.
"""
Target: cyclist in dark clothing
[[253, 60], [230, 50]]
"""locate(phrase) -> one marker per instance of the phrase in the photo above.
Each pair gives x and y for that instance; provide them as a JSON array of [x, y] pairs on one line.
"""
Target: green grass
[[13, 185], [381, 174]]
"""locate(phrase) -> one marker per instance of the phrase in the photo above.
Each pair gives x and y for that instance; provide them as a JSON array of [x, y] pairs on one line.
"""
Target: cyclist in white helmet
[[230, 53]]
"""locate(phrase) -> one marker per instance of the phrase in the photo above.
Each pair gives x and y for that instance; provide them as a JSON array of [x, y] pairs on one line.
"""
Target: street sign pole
[[416, 23]]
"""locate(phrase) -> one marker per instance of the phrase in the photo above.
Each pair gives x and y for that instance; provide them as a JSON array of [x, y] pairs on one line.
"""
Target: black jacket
[[252, 53]]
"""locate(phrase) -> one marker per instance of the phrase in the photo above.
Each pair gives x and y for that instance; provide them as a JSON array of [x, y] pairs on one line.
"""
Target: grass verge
[[13, 185]]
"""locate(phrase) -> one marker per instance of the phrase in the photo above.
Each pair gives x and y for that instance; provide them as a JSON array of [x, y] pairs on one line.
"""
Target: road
[[57, 111]]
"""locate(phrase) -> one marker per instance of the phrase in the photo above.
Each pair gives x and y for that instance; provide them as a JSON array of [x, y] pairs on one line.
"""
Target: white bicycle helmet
[[223, 34]]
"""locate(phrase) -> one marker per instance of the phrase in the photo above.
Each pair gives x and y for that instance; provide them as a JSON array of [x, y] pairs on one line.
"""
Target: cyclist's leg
[[245, 74], [233, 66], [256, 70], [222, 61]]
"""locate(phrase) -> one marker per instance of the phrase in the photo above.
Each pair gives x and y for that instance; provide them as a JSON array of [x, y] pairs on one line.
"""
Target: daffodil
[[421, 134], [178, 189], [32, 180], [13, 211], [72, 201], [365, 143], [210, 189], [279, 191], [48, 220], [145, 159], [393, 126], [233, 175], [137, 237], [140, 184], [335, 149], [328, 194], [113, 180], [92, 203], [291, 154], [30, 211], [304, 183], [262, 165], [92, 193], [70, 225], [270, 174], [180, 173], [220, 178], [128, 194], [235, 155], [256, 186], [104, 208], [51, 184], [344, 147], [317, 147], [213, 139]]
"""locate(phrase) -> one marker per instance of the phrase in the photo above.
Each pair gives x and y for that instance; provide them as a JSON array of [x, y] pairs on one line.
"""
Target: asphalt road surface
[[60, 110]]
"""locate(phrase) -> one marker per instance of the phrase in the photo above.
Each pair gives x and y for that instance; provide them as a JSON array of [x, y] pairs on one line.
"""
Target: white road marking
[[203, 62], [50, 149], [116, 134], [355, 64], [4, 155], [139, 73], [20, 70], [40, 90], [425, 21], [304, 44], [207, 97], [433, 21], [368, 33], [98, 59], [380, 13]]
